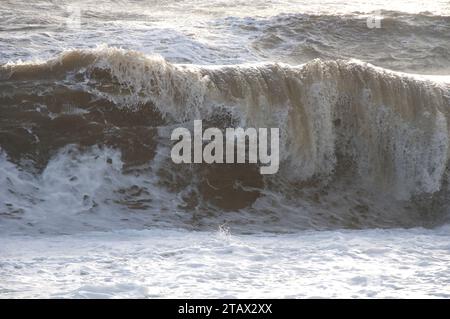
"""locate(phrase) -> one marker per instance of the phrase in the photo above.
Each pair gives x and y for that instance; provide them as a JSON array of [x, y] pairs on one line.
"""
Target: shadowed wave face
[[85, 138]]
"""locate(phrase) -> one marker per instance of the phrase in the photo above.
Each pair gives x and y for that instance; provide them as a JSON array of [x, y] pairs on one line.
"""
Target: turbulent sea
[[91, 204]]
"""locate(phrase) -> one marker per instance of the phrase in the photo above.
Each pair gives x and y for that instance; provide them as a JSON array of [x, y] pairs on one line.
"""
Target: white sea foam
[[180, 264]]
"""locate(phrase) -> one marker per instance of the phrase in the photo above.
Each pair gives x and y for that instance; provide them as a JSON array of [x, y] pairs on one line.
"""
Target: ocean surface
[[92, 206]]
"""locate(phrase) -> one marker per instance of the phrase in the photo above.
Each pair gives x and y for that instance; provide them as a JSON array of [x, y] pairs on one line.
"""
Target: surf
[[339, 120]]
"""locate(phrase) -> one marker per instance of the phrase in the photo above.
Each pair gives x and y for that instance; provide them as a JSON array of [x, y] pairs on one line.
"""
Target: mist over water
[[91, 91]]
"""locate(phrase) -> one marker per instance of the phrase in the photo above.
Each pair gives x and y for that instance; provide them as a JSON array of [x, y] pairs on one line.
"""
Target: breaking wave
[[85, 138]]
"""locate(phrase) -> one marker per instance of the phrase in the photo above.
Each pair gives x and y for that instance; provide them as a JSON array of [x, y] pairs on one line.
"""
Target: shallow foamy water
[[164, 264]]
